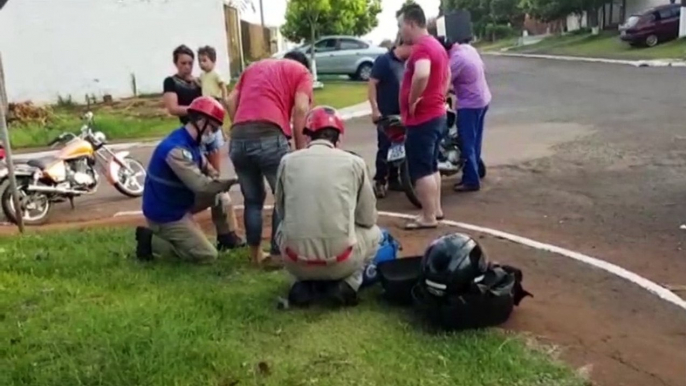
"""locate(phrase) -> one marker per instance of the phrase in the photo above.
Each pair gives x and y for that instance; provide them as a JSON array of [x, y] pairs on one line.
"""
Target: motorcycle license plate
[[396, 152]]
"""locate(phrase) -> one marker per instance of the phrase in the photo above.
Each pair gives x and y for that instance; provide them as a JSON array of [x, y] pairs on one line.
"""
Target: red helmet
[[324, 117], [208, 107]]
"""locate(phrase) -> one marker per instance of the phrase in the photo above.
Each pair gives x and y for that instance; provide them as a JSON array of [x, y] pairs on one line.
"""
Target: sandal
[[270, 263], [416, 225]]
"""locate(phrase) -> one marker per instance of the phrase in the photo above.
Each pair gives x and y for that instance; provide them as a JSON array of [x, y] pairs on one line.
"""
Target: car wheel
[[364, 72], [652, 40]]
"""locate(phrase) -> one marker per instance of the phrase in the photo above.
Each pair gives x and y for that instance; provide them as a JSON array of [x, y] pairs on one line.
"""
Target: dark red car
[[653, 26]]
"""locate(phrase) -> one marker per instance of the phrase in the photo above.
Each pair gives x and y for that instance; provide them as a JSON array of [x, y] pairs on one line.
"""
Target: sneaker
[[229, 241], [301, 294], [379, 190], [144, 244], [343, 295]]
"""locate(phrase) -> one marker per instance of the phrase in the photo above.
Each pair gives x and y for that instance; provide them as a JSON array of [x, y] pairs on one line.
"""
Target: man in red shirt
[[422, 106], [268, 96]]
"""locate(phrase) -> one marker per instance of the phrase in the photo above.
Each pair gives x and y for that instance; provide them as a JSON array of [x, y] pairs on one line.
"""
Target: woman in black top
[[181, 88]]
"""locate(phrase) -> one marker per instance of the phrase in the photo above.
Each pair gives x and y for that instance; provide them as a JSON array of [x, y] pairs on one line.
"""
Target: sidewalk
[[634, 63], [350, 112]]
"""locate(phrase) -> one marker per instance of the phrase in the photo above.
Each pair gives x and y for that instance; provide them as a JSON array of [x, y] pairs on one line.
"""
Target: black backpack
[[487, 302]]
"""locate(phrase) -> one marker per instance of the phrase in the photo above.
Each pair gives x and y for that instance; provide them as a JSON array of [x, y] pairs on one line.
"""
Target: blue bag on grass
[[388, 250]]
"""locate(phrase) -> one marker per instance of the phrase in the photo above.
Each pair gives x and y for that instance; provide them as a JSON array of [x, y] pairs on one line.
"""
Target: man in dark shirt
[[383, 93]]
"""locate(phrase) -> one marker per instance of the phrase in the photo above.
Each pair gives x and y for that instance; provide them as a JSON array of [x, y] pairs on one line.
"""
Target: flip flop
[[414, 225], [270, 263]]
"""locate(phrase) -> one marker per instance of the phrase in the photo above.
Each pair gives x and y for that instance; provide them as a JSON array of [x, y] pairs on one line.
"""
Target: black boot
[[229, 241], [343, 295], [301, 294], [395, 186], [144, 244]]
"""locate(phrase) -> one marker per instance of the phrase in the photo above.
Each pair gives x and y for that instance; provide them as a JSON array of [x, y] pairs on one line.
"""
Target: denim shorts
[[215, 145], [422, 147]]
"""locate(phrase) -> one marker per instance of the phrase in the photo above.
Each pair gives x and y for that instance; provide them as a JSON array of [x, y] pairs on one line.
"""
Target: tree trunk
[[312, 39]]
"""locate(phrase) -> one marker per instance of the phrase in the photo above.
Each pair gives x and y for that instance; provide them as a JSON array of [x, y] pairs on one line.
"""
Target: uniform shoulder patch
[[187, 154]]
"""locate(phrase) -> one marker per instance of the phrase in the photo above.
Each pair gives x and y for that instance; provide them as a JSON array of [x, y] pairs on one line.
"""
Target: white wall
[[79, 47], [575, 23]]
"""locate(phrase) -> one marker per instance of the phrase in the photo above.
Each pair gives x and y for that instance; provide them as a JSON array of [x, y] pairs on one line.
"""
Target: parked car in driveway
[[648, 28], [342, 55]]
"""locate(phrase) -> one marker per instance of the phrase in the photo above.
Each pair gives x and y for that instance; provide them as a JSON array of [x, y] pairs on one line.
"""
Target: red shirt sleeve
[[421, 51], [304, 83]]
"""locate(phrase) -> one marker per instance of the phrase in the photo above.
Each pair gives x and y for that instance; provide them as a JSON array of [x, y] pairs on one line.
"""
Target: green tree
[[550, 10], [308, 19]]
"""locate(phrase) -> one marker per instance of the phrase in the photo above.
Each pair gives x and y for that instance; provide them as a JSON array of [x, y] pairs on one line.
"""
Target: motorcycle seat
[[41, 163]]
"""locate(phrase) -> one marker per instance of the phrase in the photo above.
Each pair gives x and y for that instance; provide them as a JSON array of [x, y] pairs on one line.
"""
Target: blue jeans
[[254, 160], [384, 172], [422, 147], [470, 127]]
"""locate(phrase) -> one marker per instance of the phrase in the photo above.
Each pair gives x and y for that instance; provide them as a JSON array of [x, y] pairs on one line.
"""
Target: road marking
[[616, 270], [634, 63]]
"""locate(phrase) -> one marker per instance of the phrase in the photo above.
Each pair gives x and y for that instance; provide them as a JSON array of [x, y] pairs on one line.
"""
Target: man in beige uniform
[[327, 207], [180, 182]]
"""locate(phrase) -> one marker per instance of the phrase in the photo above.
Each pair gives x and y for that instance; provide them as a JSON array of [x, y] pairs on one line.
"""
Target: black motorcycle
[[450, 161]]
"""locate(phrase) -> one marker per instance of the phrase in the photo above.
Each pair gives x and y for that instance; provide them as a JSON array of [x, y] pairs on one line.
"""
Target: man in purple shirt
[[473, 98]]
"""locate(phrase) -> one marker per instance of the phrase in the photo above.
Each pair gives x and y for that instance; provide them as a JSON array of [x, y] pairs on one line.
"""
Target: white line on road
[[634, 63], [613, 269]]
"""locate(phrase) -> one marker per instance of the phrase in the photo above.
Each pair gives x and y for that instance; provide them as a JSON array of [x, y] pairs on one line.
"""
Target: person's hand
[[413, 107], [224, 200], [229, 183], [376, 116]]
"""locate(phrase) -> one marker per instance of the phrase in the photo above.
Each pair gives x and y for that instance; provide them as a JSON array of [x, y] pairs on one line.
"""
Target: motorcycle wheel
[[123, 186], [407, 184], [8, 205]]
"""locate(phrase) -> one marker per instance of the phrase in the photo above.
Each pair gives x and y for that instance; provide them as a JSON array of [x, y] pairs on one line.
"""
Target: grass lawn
[[144, 118], [605, 45], [75, 310], [496, 45]]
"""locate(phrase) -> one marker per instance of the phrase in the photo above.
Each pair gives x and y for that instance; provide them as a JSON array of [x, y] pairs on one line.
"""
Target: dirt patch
[[613, 329], [136, 107]]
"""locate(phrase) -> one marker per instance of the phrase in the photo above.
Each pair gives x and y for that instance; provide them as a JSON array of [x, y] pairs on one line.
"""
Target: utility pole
[[682, 20], [261, 14], [8, 151]]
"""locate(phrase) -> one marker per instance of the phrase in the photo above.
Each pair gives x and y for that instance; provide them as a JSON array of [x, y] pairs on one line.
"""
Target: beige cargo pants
[[351, 270], [185, 240]]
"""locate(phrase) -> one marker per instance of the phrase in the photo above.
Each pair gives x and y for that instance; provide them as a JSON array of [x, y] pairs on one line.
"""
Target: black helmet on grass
[[451, 264]]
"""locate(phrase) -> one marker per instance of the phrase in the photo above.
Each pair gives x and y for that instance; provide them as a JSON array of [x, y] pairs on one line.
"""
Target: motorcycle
[[450, 161], [71, 173]]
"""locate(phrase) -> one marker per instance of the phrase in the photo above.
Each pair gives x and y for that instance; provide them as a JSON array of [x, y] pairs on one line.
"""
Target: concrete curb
[[634, 63]]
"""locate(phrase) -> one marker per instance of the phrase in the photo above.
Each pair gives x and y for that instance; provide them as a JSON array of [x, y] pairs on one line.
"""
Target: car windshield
[[632, 21]]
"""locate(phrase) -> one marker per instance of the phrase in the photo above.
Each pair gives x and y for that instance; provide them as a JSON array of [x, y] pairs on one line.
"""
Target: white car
[[342, 55]]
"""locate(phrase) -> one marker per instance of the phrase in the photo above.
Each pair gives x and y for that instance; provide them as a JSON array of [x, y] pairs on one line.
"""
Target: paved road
[[591, 157]]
